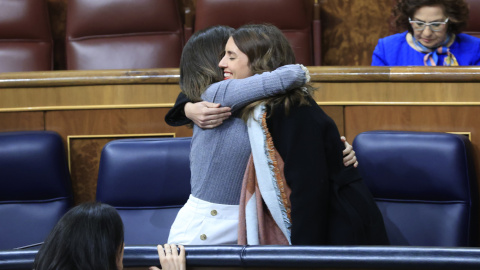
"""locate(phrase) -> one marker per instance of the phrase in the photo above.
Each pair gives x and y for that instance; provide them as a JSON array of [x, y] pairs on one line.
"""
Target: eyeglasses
[[434, 26]]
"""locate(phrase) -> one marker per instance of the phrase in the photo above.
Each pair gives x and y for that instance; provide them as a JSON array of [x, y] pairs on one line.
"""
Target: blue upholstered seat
[[147, 181], [35, 187], [424, 184]]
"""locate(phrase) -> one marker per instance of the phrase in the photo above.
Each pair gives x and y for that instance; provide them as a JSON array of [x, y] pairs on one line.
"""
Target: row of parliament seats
[[147, 181], [424, 185], [133, 34]]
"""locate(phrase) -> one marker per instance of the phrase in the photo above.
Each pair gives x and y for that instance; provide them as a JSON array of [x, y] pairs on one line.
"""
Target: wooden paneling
[[88, 77], [149, 88], [415, 118], [398, 93], [85, 97], [336, 113], [61, 90], [18, 121], [84, 157], [114, 121], [351, 29]]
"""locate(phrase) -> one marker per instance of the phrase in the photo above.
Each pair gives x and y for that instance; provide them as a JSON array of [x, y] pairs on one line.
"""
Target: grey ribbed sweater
[[219, 156]]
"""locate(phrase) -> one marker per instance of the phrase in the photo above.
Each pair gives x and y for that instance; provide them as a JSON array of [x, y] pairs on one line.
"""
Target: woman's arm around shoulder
[[236, 93]]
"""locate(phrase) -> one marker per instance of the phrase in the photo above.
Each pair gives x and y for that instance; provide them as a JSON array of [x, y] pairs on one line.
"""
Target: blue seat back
[[424, 184], [147, 181], [35, 186]]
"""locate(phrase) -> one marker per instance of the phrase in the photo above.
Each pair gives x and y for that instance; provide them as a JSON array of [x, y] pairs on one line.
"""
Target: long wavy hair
[[268, 49], [456, 10], [89, 236], [200, 58]]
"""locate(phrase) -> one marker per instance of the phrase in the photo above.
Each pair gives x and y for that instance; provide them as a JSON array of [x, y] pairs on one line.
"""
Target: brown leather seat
[[25, 36], [293, 17], [123, 34], [473, 27]]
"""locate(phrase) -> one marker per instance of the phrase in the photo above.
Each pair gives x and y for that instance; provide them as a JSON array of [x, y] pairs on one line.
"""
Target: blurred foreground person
[[90, 236]]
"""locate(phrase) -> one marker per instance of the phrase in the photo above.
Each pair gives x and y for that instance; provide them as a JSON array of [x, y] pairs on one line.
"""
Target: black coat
[[330, 203]]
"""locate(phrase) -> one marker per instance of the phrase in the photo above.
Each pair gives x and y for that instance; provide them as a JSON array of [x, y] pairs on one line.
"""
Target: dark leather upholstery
[[147, 180], [25, 37], [289, 257], [123, 34], [35, 186], [473, 27], [293, 17], [424, 184]]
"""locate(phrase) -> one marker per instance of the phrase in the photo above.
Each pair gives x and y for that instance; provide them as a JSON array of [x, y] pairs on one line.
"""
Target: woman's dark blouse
[[176, 116]]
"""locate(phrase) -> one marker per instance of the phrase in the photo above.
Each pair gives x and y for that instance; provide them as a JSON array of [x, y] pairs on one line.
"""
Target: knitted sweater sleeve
[[236, 93]]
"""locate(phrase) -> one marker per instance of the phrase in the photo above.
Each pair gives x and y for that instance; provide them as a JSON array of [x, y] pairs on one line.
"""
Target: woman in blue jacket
[[433, 36]]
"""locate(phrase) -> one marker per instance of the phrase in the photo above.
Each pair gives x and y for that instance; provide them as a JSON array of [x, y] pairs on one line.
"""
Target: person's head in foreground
[[88, 236]]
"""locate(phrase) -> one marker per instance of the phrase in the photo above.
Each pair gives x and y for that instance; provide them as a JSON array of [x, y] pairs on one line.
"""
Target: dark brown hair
[[89, 236], [267, 49], [456, 10], [199, 62]]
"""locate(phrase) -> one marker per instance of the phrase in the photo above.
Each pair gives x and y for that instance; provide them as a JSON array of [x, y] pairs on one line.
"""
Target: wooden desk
[[90, 108]]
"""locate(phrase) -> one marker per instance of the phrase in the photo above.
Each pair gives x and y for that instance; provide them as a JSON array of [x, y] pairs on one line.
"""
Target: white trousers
[[203, 223]]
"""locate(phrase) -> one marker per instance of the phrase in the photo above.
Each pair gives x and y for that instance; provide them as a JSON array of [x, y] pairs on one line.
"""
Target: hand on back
[[349, 157], [206, 114]]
